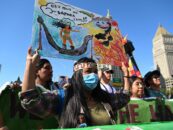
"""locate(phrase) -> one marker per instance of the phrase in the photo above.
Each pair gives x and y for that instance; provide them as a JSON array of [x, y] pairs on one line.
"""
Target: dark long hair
[[40, 65], [134, 78], [75, 100]]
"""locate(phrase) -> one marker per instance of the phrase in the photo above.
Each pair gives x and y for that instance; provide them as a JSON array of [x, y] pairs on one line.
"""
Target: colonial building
[[163, 55]]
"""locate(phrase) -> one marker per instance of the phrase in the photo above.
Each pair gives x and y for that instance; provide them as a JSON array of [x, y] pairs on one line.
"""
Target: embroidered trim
[[85, 65]]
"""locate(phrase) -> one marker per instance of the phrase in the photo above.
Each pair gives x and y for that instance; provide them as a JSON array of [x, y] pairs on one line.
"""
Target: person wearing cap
[[83, 97], [153, 84], [105, 78]]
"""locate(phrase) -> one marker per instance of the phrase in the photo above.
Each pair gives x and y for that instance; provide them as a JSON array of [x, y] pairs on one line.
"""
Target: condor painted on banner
[[64, 31]]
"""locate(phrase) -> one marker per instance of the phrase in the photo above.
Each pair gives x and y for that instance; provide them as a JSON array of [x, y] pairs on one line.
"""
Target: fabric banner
[[144, 126], [64, 31], [16, 118], [147, 110], [137, 111]]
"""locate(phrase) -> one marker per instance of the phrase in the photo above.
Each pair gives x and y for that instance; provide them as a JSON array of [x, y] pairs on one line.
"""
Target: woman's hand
[[100, 74], [33, 58], [124, 68], [30, 70]]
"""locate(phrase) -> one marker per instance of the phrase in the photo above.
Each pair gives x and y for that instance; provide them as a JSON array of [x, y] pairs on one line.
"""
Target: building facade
[[163, 55]]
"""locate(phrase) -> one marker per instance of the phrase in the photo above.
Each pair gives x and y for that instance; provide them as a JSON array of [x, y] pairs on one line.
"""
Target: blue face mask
[[91, 81]]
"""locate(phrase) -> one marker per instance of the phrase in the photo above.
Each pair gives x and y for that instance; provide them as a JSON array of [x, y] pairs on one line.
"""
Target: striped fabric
[[133, 70]]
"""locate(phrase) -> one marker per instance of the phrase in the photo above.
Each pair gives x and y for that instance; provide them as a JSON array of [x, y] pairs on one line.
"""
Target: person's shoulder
[[39, 86]]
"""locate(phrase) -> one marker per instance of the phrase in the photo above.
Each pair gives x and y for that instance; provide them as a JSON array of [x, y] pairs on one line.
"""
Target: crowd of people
[[84, 100], [147, 87]]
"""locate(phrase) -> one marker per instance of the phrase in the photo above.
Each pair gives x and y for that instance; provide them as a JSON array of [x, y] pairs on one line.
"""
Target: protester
[[153, 84], [105, 77], [64, 82], [43, 77], [44, 74], [84, 96], [137, 87]]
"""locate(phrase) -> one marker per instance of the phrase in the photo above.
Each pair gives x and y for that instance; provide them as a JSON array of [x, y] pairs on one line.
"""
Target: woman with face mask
[[84, 104]]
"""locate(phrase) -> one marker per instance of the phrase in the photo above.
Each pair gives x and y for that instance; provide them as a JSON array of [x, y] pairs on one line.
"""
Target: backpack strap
[[109, 111]]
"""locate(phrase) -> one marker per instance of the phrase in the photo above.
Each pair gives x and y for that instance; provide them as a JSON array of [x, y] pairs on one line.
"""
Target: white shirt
[[107, 87]]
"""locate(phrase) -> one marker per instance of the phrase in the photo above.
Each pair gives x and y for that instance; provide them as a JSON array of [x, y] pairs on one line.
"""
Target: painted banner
[[64, 31], [137, 111], [143, 126], [149, 110]]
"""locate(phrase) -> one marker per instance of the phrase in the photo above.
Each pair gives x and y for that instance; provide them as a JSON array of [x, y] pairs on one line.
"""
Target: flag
[[133, 69]]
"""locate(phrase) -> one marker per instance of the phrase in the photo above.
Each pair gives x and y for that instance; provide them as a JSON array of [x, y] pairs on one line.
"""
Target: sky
[[137, 18]]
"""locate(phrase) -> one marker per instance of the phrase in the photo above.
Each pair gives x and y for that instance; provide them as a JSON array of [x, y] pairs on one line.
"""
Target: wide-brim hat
[[149, 74]]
